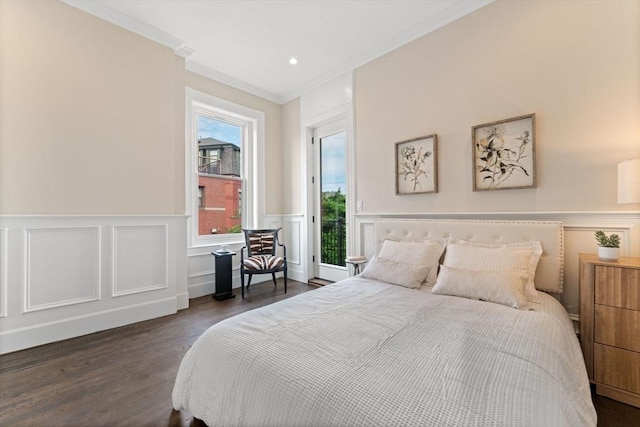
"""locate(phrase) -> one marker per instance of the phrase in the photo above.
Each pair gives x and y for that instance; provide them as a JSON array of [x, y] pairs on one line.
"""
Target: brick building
[[219, 187]]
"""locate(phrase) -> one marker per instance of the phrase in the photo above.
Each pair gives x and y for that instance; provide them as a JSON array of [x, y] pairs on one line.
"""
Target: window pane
[[200, 196], [219, 176], [333, 238]]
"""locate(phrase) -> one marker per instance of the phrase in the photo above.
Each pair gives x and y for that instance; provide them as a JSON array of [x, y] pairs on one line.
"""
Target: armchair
[[262, 258]]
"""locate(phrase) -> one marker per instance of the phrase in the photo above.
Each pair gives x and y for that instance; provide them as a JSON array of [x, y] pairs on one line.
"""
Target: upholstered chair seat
[[263, 262]]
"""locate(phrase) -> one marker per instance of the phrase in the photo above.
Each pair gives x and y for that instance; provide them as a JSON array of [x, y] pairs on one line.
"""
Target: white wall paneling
[[61, 267], [579, 228], [291, 236], [3, 272], [69, 275], [140, 259], [201, 271]]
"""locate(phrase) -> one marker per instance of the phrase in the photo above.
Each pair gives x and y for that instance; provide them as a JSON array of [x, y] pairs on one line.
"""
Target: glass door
[[330, 185]]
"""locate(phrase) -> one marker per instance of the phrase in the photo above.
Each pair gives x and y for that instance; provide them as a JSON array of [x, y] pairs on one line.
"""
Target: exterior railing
[[333, 242], [212, 168]]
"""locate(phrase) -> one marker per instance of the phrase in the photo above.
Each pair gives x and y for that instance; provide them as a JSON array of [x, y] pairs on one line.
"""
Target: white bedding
[[366, 353]]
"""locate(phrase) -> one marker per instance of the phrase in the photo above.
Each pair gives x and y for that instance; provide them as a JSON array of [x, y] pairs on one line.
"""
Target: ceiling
[[248, 44]]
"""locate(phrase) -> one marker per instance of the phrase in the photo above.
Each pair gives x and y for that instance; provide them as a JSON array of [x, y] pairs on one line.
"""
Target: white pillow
[[394, 272], [465, 255], [426, 253], [502, 287]]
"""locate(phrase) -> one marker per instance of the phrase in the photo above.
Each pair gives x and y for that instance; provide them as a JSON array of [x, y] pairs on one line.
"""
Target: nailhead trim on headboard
[[550, 271]]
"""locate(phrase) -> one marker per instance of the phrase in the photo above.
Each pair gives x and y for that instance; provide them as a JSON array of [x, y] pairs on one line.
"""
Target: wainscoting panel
[[290, 236], [70, 275], [140, 254], [201, 270], [579, 228], [62, 267], [3, 272], [292, 230]]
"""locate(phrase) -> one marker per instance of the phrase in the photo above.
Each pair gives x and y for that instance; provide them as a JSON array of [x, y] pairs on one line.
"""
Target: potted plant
[[608, 246]]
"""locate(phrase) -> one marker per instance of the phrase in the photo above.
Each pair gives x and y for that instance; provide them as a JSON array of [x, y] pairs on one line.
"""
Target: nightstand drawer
[[610, 325], [617, 327], [618, 368], [617, 287]]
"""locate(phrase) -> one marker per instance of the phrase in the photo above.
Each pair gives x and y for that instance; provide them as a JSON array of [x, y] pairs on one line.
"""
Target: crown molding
[[102, 11], [446, 16], [202, 70]]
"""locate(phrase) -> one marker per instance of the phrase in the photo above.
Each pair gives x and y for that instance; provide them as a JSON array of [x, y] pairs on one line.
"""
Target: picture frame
[[504, 154], [417, 165]]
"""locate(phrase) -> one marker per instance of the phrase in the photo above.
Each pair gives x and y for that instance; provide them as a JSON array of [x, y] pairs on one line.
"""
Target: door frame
[[320, 270], [344, 113]]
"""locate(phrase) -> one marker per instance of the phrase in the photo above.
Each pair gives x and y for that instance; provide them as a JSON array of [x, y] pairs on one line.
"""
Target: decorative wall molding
[[69, 275], [3, 272], [455, 11], [134, 25], [292, 236], [549, 215], [68, 327], [140, 255], [212, 74], [61, 267], [450, 14], [200, 263]]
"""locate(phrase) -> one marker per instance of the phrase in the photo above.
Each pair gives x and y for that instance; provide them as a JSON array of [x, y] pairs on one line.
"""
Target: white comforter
[[366, 353]]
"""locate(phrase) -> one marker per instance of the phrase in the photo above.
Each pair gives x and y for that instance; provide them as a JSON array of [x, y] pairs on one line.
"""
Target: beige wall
[[87, 115], [575, 64], [179, 136], [292, 186], [92, 117]]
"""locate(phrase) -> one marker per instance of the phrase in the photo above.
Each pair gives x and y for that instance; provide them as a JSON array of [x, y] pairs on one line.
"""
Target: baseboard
[[200, 290], [45, 333], [182, 301], [208, 287]]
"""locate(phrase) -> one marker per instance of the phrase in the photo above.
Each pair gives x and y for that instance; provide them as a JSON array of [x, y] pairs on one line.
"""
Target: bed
[[367, 352]]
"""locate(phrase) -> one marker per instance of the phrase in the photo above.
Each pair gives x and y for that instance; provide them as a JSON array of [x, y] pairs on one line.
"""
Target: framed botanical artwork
[[504, 155], [417, 165]]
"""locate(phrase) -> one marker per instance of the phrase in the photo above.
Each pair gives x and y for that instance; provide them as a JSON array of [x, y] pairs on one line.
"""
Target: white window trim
[[253, 124]]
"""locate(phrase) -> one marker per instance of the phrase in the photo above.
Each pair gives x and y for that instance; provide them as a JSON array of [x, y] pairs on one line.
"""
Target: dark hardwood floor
[[124, 376]]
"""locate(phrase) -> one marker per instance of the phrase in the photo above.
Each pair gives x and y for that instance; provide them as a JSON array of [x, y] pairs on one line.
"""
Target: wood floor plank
[[124, 376]]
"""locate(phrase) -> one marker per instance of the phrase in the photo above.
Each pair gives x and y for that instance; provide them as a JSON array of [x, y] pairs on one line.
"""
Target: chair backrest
[[261, 242]]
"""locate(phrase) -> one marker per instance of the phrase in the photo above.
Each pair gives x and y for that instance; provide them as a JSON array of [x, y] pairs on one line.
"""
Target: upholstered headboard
[[549, 274]]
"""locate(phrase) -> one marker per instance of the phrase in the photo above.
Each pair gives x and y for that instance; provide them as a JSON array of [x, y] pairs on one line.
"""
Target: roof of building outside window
[[211, 143]]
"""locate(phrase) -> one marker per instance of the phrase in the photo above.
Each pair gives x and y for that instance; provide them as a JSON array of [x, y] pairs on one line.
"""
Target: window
[[200, 197], [220, 140], [223, 142], [208, 159]]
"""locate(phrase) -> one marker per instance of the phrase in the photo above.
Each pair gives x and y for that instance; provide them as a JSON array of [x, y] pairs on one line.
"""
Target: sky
[[221, 131], [333, 163]]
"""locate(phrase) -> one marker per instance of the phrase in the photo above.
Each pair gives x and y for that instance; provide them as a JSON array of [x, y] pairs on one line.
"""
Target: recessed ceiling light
[[293, 60]]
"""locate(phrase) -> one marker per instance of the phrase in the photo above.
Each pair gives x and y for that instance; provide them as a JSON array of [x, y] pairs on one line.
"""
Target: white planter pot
[[608, 254]]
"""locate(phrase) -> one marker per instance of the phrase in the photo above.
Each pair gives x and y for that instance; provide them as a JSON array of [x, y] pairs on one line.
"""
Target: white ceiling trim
[[134, 25], [448, 15], [197, 68]]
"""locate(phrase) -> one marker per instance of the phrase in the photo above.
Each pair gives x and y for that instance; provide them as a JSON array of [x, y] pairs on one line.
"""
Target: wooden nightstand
[[610, 326]]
